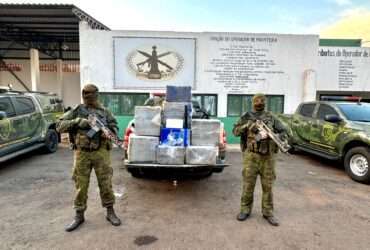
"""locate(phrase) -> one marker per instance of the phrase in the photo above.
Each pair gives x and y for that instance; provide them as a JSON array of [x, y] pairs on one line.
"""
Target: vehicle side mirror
[[2, 115], [333, 118]]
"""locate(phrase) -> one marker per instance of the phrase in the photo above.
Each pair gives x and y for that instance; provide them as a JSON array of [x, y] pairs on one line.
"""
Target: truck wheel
[[293, 150], [51, 141], [202, 175], [356, 163], [135, 172], [217, 170]]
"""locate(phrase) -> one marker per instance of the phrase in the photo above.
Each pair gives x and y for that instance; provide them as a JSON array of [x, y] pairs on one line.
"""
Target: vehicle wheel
[[135, 172], [51, 141], [205, 174], [217, 170], [356, 163], [293, 150], [201, 174]]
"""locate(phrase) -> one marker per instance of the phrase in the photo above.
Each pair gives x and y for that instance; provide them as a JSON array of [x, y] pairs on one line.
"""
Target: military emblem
[[155, 63], [327, 132]]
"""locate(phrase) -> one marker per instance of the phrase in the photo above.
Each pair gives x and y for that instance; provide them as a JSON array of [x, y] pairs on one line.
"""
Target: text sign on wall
[[344, 68], [238, 62], [153, 63]]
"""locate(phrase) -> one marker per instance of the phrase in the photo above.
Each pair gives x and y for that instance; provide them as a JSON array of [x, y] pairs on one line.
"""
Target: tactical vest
[[264, 146], [82, 141]]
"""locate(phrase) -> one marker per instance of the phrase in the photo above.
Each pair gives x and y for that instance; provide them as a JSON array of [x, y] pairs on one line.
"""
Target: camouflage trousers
[[84, 162], [263, 165]]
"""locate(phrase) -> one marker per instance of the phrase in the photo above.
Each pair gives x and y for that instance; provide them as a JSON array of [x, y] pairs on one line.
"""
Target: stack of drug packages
[[174, 138]]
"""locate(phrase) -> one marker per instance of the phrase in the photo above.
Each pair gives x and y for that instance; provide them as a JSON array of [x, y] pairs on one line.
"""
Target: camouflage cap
[[90, 88]]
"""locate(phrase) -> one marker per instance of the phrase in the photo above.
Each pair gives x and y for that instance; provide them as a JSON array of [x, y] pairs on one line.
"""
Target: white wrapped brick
[[174, 110], [142, 149], [168, 155], [205, 132], [147, 120], [201, 155]]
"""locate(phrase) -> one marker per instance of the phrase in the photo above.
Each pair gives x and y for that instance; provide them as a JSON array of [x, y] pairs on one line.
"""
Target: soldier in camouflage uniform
[[155, 100], [90, 153], [258, 158]]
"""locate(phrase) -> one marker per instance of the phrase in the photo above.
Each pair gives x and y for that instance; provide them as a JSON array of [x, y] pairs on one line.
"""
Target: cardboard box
[[175, 137], [206, 155], [142, 149], [168, 155], [178, 93], [147, 120], [205, 132], [174, 110]]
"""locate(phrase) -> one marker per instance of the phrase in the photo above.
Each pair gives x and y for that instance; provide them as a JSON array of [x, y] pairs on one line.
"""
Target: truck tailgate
[[153, 165]]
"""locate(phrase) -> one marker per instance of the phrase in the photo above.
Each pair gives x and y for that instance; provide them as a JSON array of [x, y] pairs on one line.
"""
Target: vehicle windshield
[[50, 103], [356, 112]]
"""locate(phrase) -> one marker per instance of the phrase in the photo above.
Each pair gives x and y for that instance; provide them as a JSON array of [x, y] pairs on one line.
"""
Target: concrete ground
[[319, 207]]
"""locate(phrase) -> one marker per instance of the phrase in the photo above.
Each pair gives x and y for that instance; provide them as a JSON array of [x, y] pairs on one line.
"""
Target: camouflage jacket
[[247, 131], [78, 136]]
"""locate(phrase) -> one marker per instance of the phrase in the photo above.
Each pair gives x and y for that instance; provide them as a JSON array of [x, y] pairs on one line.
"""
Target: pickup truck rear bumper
[[151, 165]]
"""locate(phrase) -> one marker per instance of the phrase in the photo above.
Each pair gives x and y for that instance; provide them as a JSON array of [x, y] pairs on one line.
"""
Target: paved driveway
[[318, 205]]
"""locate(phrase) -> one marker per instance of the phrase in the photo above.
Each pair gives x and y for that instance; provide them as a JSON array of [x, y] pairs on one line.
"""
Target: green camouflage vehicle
[[336, 130], [27, 122]]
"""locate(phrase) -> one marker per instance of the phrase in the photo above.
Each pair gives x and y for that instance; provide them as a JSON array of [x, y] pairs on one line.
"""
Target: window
[[207, 102], [307, 109], [7, 106], [325, 110], [355, 112], [24, 105], [239, 104], [50, 103], [122, 103]]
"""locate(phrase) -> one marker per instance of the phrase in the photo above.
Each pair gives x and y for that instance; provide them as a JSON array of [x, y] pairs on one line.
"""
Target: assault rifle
[[283, 145], [98, 125]]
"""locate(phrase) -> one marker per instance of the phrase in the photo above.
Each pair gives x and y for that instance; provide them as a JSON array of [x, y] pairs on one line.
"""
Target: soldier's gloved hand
[[82, 123]]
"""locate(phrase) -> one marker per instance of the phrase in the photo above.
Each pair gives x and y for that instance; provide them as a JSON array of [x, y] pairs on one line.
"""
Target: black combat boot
[[112, 217], [78, 220], [272, 220], [242, 216]]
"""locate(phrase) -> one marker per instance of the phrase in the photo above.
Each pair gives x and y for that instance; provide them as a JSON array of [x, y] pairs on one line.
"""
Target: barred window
[[207, 102], [239, 104], [122, 103]]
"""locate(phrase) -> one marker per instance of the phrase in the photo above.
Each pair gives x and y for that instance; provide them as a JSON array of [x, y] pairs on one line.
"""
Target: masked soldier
[[90, 152], [258, 157]]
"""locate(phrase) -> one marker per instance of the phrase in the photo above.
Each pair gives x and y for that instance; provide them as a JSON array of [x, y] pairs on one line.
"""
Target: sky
[[328, 18]]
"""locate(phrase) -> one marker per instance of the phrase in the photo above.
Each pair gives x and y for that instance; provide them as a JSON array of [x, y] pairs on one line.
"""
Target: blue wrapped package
[[175, 137], [178, 93]]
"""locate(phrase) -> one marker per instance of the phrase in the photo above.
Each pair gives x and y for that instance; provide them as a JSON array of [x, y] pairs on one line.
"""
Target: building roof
[[51, 28]]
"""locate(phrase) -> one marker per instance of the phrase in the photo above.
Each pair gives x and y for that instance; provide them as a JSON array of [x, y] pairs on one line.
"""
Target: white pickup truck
[[176, 171]]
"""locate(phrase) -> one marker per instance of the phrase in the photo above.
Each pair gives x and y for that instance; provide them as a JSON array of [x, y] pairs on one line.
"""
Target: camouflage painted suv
[[27, 122], [336, 130]]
